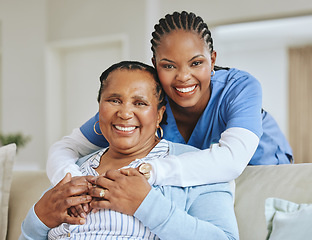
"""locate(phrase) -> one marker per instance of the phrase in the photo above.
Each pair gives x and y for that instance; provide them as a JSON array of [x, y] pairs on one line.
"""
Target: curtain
[[300, 103]]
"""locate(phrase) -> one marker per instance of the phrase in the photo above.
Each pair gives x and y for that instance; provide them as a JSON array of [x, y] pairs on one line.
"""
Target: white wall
[[228, 11], [76, 19], [22, 95], [261, 48], [72, 80], [29, 27]]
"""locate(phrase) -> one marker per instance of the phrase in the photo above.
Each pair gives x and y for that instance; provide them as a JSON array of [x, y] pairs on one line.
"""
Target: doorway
[[72, 80]]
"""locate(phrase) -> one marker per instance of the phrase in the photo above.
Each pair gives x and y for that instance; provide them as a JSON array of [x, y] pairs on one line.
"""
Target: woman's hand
[[80, 210], [52, 208], [119, 190]]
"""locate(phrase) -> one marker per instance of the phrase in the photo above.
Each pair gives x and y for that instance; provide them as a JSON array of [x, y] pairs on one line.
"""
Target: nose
[[125, 112], [183, 75]]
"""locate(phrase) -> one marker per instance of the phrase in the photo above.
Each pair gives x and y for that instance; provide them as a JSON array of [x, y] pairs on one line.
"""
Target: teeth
[[185, 90], [125, 129]]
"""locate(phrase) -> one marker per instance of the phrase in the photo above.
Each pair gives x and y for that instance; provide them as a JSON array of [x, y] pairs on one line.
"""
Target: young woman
[[131, 107], [217, 110]]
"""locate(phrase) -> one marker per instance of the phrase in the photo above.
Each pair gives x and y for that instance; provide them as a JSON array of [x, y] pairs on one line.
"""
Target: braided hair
[[185, 21]]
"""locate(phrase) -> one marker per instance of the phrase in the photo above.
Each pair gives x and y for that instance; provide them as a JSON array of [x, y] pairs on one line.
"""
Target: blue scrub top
[[236, 99]]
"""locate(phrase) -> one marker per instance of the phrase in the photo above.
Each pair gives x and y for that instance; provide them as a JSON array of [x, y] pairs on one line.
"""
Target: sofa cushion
[[291, 182], [7, 156], [288, 220]]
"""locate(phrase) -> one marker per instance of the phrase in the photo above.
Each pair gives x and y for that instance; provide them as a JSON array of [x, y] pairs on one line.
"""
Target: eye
[[140, 103], [196, 63], [168, 66], [114, 101]]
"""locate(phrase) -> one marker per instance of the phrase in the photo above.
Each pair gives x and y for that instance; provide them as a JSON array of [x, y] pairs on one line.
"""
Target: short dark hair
[[135, 65]]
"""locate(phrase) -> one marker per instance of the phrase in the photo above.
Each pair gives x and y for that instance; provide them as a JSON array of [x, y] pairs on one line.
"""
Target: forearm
[[167, 221], [64, 154], [222, 162], [33, 228]]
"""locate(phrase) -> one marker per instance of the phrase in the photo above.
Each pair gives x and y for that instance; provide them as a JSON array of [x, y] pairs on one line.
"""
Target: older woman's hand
[[52, 208], [120, 190]]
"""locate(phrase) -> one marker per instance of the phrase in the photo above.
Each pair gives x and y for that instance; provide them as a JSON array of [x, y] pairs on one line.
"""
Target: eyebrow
[[167, 60], [114, 95], [136, 97], [199, 55], [196, 56], [142, 98]]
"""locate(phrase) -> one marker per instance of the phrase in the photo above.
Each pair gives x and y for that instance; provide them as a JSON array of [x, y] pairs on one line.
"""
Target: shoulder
[[90, 156], [179, 148], [234, 78], [209, 188], [229, 75], [214, 191]]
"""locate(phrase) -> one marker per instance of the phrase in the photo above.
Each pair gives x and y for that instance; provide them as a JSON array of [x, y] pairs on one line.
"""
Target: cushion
[[7, 156], [288, 220], [257, 183]]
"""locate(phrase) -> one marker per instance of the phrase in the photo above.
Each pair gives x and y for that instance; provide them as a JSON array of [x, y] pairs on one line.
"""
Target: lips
[[124, 129], [183, 90]]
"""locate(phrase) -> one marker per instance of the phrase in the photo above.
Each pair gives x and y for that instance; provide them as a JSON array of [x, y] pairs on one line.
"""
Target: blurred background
[[52, 53]]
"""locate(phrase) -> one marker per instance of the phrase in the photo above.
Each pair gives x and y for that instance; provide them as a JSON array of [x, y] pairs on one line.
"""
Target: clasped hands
[[74, 197]]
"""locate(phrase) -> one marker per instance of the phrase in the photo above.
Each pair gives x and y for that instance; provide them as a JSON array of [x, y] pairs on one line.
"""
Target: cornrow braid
[[184, 20]]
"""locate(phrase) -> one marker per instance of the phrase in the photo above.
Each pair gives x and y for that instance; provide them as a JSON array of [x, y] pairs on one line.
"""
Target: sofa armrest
[[26, 189]]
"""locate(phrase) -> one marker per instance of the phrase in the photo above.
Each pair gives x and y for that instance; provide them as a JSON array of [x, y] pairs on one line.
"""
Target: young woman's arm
[[64, 154], [222, 162]]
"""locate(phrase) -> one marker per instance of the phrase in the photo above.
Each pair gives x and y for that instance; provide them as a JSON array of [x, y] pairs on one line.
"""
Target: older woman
[[131, 108]]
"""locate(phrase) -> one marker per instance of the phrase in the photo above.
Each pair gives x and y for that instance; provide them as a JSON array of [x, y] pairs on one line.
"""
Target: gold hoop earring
[[212, 73], [161, 132], [94, 129]]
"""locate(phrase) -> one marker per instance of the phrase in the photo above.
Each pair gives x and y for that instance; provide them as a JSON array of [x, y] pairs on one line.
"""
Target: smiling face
[[184, 63], [128, 114]]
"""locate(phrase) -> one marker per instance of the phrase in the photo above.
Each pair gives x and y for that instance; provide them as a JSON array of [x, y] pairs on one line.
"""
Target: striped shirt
[[109, 224]]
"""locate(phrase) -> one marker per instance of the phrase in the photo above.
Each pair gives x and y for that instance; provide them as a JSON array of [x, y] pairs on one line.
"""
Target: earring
[[212, 73], [94, 129], [161, 132]]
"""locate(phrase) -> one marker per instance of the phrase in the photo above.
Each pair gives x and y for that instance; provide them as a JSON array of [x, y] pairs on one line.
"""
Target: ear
[[160, 114], [154, 61], [213, 59]]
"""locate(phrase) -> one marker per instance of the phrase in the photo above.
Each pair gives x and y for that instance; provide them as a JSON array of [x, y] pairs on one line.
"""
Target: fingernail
[[83, 215], [85, 208], [82, 221]]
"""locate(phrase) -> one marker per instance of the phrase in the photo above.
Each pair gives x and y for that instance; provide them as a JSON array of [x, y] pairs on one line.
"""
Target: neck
[[114, 159], [181, 115], [195, 110]]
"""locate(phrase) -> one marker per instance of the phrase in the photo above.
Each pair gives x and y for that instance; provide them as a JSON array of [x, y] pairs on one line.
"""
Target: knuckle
[[70, 192], [68, 202], [79, 209]]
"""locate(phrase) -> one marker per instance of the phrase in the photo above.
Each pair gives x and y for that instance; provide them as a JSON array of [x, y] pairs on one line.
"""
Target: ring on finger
[[145, 168], [102, 193]]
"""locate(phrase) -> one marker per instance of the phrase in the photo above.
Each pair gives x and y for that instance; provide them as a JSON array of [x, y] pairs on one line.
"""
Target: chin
[[187, 103], [125, 146]]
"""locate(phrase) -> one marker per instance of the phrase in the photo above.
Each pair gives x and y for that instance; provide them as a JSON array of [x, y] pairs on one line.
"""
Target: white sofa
[[257, 183]]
